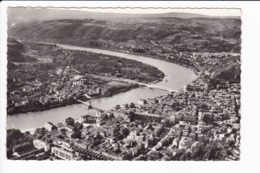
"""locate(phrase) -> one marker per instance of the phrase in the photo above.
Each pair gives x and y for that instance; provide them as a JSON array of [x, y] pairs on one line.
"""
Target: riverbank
[[59, 85], [170, 81], [189, 64], [69, 102], [196, 70]]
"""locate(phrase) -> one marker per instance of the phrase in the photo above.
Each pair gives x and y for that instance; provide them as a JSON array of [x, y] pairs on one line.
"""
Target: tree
[[22, 147], [12, 136], [132, 105], [69, 121], [204, 106], [40, 131], [225, 117], [125, 131], [117, 107], [9, 153], [196, 152], [76, 134], [207, 118], [60, 137], [178, 154], [27, 133]]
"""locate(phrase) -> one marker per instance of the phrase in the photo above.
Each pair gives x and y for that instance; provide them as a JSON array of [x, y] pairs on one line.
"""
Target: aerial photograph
[[129, 84]]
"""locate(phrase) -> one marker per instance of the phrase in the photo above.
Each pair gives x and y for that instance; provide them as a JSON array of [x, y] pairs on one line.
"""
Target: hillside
[[190, 34], [43, 14], [229, 72], [15, 53]]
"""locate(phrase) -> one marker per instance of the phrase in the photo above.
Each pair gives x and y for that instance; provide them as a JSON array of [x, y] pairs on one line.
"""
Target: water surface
[[176, 77]]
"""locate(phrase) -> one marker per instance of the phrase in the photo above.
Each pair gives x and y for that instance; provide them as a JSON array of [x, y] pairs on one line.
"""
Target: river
[[176, 76]]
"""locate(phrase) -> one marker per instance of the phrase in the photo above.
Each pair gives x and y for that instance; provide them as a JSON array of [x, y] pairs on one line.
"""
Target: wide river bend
[[176, 76]]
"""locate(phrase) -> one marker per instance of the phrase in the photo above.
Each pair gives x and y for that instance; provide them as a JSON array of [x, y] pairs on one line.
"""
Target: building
[[135, 136], [172, 119], [98, 91], [144, 117], [78, 80], [185, 142], [142, 102], [49, 126], [87, 119], [63, 154], [187, 88], [41, 144], [112, 156], [112, 130], [158, 146], [78, 125], [83, 119], [190, 119], [158, 131], [61, 143], [81, 144]]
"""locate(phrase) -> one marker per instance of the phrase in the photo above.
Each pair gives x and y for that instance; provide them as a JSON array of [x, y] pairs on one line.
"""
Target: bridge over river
[[169, 83], [151, 86], [88, 104], [158, 87]]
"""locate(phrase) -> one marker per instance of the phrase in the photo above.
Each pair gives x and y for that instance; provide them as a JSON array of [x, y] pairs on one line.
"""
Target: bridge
[[88, 104], [157, 87]]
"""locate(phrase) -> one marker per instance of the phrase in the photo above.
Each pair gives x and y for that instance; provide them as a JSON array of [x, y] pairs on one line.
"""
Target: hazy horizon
[[203, 11], [220, 12]]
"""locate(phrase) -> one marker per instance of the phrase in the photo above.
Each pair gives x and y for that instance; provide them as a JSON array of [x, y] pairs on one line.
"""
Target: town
[[50, 65], [59, 77], [200, 122]]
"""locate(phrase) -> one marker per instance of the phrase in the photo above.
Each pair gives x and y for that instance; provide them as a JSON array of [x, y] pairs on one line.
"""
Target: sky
[[205, 11]]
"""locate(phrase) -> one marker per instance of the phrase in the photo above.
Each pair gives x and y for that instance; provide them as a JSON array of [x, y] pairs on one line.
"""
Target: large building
[[63, 154], [144, 117], [41, 144]]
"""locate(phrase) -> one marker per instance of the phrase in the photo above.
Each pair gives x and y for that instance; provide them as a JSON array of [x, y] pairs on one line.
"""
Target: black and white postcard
[[95, 83]]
